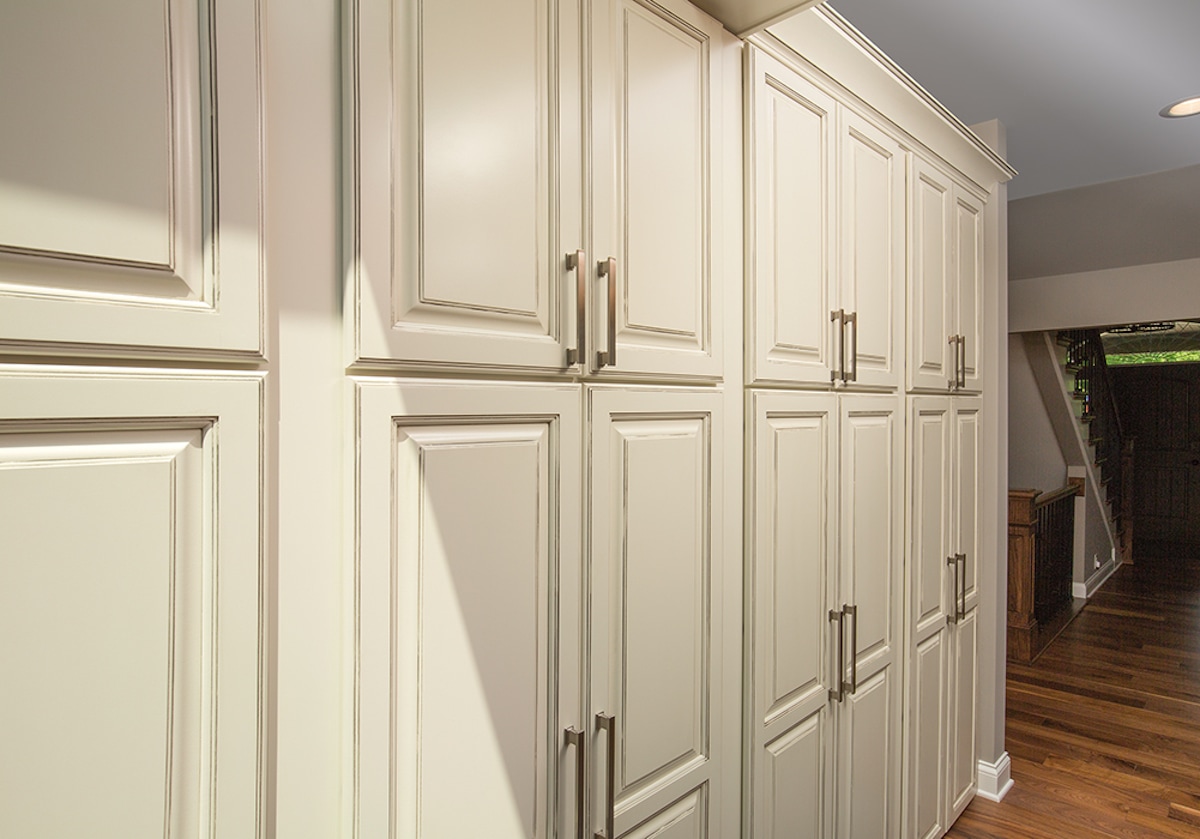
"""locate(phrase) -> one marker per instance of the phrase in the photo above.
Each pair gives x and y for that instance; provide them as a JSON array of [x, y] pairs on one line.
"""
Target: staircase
[[1081, 355]]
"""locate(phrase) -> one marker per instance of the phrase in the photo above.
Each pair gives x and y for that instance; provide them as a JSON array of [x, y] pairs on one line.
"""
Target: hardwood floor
[[1104, 729]]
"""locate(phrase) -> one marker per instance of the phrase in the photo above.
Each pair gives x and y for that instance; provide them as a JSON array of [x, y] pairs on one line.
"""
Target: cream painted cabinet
[[133, 586], [824, 574], [944, 452], [120, 235], [480, 626], [517, 207], [828, 258], [945, 294]]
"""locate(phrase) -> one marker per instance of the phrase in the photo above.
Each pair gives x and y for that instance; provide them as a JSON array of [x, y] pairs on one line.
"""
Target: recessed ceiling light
[[1183, 108]]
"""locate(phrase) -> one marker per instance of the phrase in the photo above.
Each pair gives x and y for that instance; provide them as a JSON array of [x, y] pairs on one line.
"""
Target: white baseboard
[[1086, 590], [995, 779], [1079, 590]]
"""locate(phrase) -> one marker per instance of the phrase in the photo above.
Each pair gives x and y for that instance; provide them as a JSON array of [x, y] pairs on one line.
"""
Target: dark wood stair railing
[[1041, 539]]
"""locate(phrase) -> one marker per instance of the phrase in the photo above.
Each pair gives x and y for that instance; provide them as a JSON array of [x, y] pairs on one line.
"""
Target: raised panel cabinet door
[[872, 236], [929, 611], [871, 567], [120, 235], [792, 574], [961, 772], [792, 195], [133, 628], [966, 494], [465, 188], [932, 293], [467, 598], [662, 139], [657, 636], [968, 262]]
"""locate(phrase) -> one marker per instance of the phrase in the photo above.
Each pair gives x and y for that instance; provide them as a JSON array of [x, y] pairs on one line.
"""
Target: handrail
[[1044, 499]]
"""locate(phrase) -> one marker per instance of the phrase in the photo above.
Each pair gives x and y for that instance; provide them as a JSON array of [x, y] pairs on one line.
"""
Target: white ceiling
[[1077, 83]]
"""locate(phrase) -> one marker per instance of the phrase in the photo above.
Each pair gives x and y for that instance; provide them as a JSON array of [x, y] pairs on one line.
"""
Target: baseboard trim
[[1086, 590], [995, 779]]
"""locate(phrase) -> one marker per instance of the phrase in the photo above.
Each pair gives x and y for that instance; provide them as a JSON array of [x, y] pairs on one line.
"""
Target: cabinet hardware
[[838, 316], [839, 692], [574, 737], [851, 319], [608, 723], [852, 611], [962, 364], [953, 561], [575, 262], [608, 358], [952, 384], [963, 586]]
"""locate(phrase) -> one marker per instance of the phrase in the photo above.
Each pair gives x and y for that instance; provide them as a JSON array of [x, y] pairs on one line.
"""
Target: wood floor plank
[[1104, 728]]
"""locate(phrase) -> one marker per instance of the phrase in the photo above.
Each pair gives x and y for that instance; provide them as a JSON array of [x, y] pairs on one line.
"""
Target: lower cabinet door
[[131, 604], [658, 725], [961, 728], [467, 597]]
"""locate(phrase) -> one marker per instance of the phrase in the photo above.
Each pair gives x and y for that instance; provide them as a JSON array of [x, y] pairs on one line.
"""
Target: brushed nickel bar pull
[[963, 585], [838, 316], [839, 693], [953, 560], [953, 383], [574, 737], [852, 611], [608, 358], [608, 722], [575, 262], [962, 364], [852, 320]]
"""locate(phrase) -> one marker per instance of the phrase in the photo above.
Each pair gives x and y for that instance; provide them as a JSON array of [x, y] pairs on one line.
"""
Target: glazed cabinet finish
[[826, 534], [828, 199], [528, 209], [119, 233], [945, 287], [128, 617], [944, 453]]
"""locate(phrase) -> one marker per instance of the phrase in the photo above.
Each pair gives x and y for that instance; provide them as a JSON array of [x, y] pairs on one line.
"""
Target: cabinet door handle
[[608, 723], [953, 561], [963, 585], [838, 316], [574, 737], [575, 262], [852, 320], [838, 693], [953, 383], [962, 364], [852, 611], [608, 358]]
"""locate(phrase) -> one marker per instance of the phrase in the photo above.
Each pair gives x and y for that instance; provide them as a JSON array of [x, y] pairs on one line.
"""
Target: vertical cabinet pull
[[575, 262], [574, 737], [851, 319], [953, 561], [838, 316], [852, 612], [838, 693], [962, 360], [952, 384], [608, 723], [608, 357], [962, 558]]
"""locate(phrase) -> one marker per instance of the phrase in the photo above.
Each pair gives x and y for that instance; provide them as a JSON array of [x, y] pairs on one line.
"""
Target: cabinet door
[[931, 299], [119, 233], [656, 666], [132, 590], [968, 262], [792, 572], [929, 604], [660, 72], [872, 249], [791, 293], [960, 729], [966, 493], [466, 179], [467, 609], [871, 566]]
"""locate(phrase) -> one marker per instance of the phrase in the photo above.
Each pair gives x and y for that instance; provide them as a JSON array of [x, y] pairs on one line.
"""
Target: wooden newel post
[[1022, 625]]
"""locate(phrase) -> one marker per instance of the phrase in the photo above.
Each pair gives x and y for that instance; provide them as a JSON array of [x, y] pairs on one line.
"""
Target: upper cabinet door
[[120, 235], [660, 74], [792, 150], [931, 314], [968, 261], [465, 190], [872, 250]]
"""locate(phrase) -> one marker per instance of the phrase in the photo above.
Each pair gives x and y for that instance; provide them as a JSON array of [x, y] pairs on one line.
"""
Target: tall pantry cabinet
[[544, 210], [863, 500]]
